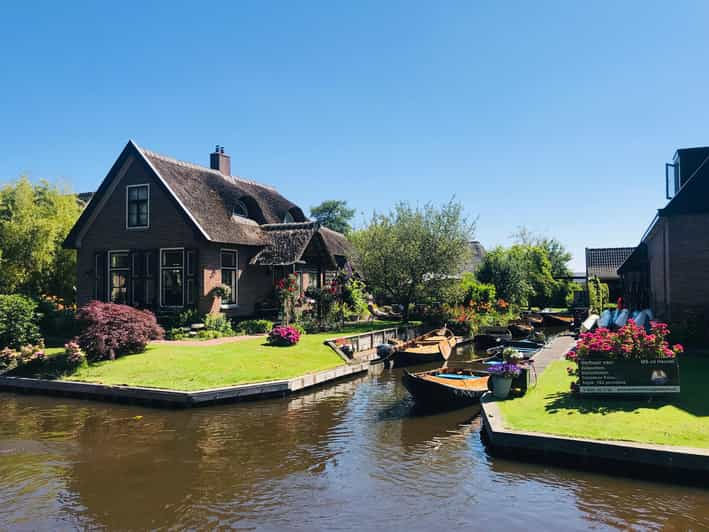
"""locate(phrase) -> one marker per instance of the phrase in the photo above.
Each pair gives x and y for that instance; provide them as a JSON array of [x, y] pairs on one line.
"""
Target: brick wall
[[689, 262]]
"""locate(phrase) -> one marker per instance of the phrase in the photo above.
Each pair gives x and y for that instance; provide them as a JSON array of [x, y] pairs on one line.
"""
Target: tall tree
[[334, 214], [507, 270], [34, 220], [406, 254]]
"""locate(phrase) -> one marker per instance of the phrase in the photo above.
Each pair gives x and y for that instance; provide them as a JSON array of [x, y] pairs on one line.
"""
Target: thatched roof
[[208, 199]]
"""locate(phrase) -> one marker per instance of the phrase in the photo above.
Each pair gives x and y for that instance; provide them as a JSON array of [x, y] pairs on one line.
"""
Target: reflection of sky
[[355, 455]]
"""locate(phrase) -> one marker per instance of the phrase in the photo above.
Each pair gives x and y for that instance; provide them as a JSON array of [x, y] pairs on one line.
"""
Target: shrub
[[256, 326], [57, 319], [298, 327], [18, 321], [73, 354], [176, 333], [111, 330], [219, 323], [183, 319], [207, 334], [283, 336]]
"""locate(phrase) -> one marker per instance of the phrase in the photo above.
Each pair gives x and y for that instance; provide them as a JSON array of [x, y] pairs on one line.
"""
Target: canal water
[[352, 456]]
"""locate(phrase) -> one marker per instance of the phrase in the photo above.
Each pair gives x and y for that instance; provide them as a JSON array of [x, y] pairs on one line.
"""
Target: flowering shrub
[[505, 370], [628, 342], [57, 318], [111, 330], [28, 355], [283, 335], [255, 326], [75, 357]]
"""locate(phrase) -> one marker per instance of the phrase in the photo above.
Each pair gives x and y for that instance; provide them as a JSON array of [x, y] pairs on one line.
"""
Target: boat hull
[[434, 395]]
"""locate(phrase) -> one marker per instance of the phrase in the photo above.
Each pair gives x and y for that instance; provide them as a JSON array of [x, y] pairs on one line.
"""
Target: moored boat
[[446, 388], [491, 336], [434, 346], [520, 329]]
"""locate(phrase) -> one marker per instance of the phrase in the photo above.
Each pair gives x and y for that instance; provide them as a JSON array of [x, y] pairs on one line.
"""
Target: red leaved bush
[[110, 330]]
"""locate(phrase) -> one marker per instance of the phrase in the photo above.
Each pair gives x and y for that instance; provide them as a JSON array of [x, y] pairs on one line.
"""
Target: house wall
[[657, 259], [688, 238], [169, 228]]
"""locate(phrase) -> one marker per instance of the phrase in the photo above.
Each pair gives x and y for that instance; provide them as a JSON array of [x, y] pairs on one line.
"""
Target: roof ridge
[[291, 225], [196, 166]]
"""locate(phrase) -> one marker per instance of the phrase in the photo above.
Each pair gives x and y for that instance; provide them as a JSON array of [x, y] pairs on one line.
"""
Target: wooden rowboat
[[491, 336], [520, 329], [434, 346], [557, 320], [446, 388]]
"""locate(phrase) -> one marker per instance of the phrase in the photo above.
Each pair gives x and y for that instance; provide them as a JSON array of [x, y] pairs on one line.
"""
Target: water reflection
[[356, 455]]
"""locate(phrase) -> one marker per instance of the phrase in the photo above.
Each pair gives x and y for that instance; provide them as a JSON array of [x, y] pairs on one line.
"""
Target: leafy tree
[[407, 254], [507, 270], [334, 214], [34, 220]]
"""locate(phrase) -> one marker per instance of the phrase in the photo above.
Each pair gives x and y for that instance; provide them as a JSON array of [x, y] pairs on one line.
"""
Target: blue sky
[[557, 116]]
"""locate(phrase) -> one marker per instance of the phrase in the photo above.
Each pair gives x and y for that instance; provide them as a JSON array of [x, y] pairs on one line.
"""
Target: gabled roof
[[604, 262], [693, 197], [206, 197]]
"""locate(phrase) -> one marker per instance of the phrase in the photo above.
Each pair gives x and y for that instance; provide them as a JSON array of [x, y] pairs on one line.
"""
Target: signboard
[[640, 377]]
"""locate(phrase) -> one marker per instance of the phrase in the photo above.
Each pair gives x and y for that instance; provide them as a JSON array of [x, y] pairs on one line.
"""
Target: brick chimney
[[220, 161]]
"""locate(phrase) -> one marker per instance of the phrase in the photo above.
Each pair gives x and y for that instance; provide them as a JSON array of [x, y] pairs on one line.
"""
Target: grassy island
[[551, 408], [191, 366]]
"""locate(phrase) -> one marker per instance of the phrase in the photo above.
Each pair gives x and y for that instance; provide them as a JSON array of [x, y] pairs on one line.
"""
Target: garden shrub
[[57, 319], [256, 326], [598, 294], [74, 356], [182, 319], [18, 321], [110, 330], [28, 356], [219, 323], [283, 335]]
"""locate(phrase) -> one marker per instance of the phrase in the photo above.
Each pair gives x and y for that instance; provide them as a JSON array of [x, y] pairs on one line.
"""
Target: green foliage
[[18, 321], [574, 288], [219, 323], [506, 270], [334, 215], [473, 291], [57, 322], [256, 326], [407, 254], [34, 220], [598, 294]]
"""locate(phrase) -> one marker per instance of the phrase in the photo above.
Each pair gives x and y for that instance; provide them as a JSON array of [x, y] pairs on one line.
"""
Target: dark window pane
[[119, 260], [228, 259], [142, 193], [172, 258], [172, 288], [119, 285]]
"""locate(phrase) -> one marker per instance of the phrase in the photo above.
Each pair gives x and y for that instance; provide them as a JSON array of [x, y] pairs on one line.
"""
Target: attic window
[[288, 218], [240, 209]]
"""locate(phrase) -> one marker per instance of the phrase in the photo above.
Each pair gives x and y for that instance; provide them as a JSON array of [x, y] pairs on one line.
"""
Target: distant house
[[669, 270], [604, 263], [477, 256], [162, 234]]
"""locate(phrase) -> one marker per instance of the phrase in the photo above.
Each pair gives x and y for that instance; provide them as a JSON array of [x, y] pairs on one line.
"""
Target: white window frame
[[138, 227], [109, 295], [160, 270], [237, 275]]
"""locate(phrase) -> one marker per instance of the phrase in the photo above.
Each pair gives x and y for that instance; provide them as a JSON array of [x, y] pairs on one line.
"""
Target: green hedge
[[18, 321]]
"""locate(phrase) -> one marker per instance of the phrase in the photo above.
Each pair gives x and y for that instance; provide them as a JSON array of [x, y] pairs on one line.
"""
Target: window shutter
[[100, 267], [136, 279], [191, 277], [152, 298]]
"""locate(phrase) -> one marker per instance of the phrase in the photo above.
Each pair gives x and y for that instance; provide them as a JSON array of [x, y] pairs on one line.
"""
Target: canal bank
[[616, 453]]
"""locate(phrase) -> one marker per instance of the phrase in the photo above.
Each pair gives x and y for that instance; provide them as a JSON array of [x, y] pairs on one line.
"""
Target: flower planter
[[501, 386], [607, 376]]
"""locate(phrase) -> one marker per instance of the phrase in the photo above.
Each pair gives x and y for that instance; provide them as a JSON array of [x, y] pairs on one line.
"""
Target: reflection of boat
[[434, 346], [491, 336], [446, 388]]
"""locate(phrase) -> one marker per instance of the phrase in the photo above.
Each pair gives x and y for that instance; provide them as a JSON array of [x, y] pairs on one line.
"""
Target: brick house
[[669, 270], [162, 234], [604, 263]]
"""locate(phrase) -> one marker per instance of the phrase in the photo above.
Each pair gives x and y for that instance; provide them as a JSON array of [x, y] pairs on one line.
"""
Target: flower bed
[[284, 336], [630, 360]]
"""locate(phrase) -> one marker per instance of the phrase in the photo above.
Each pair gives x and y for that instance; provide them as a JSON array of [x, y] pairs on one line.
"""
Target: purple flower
[[505, 370]]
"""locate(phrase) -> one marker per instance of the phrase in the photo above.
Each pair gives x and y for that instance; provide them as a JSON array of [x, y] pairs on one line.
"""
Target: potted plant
[[502, 376]]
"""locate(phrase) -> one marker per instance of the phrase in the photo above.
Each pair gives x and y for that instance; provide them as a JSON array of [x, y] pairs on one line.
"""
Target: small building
[[604, 263], [477, 256], [669, 270], [161, 233]]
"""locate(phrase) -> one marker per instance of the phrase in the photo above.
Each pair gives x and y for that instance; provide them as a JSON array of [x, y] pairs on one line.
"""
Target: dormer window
[[288, 218], [137, 206], [240, 209]]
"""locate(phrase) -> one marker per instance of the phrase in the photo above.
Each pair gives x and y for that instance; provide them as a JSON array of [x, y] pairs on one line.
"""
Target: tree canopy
[[34, 220], [334, 214], [406, 254]]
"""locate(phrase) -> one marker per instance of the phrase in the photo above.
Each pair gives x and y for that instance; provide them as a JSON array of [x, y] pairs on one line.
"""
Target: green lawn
[[189, 367], [550, 408]]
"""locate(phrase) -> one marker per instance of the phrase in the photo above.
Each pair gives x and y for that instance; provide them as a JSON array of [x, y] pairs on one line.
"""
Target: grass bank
[[551, 408], [196, 367]]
